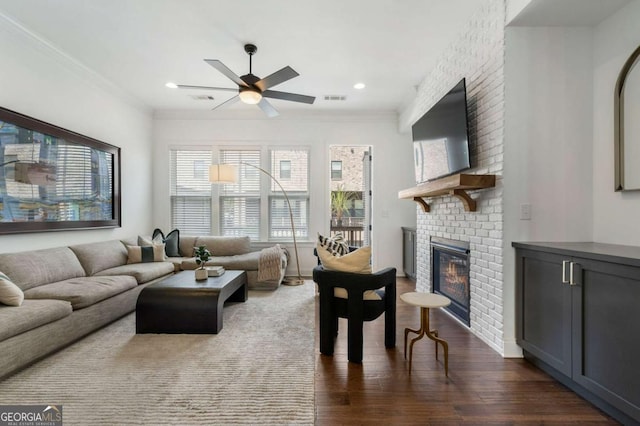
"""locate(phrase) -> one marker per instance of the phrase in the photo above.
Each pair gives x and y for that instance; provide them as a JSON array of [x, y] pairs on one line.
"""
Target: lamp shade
[[223, 173], [250, 96]]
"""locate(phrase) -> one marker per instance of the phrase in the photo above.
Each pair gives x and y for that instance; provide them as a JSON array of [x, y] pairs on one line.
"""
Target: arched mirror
[[627, 125]]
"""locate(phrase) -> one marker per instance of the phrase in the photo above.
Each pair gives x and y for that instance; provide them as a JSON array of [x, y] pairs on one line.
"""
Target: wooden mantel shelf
[[455, 185]]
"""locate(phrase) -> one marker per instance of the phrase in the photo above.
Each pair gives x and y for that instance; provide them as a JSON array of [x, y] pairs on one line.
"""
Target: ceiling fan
[[252, 89]]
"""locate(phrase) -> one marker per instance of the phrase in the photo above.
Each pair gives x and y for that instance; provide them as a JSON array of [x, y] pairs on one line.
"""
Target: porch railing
[[352, 229]]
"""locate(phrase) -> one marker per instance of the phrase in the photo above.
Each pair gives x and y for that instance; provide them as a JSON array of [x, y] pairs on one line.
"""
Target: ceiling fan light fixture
[[250, 96]]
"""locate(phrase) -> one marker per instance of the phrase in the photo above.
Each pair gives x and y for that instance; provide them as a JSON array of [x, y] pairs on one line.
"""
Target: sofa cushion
[[225, 246], [32, 314], [83, 292], [187, 244], [139, 254], [10, 294], [96, 257], [243, 262], [142, 272], [33, 268]]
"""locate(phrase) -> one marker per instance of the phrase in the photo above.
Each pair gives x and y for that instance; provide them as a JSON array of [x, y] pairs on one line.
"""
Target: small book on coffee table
[[215, 271]]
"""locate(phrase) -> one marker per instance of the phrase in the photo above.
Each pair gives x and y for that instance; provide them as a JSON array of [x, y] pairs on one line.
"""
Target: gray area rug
[[258, 370]]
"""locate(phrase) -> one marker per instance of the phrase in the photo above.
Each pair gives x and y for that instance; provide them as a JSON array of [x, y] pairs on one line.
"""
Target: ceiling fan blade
[[286, 96], [286, 73], [267, 108], [229, 101], [225, 89], [226, 71]]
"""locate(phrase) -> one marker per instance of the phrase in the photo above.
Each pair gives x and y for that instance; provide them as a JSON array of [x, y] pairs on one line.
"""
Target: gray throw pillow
[[171, 242]]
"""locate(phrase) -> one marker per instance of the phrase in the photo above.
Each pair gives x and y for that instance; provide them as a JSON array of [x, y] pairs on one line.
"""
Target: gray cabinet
[[409, 252], [578, 318]]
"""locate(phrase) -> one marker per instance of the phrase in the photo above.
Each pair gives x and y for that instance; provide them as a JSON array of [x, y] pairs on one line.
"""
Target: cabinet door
[[543, 308], [409, 253], [606, 332]]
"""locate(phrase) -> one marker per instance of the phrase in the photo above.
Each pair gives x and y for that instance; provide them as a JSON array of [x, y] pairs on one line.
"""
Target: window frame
[[332, 170], [284, 171]]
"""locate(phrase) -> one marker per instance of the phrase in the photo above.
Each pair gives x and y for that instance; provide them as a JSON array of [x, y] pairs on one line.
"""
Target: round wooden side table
[[426, 301]]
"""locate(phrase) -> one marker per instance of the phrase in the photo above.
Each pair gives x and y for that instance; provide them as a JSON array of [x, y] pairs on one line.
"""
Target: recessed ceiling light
[[359, 86], [171, 85]]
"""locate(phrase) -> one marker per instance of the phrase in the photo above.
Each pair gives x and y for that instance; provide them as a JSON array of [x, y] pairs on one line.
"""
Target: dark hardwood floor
[[482, 387]]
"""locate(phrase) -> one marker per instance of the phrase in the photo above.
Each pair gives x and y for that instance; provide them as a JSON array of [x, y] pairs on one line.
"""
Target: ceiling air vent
[[335, 98], [202, 97]]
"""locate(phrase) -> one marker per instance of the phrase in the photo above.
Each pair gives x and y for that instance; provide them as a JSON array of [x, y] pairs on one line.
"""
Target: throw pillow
[[10, 294], [171, 241], [334, 245], [138, 254], [147, 241], [357, 261]]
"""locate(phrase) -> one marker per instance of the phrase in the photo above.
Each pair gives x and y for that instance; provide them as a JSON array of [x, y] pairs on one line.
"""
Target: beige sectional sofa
[[233, 253], [71, 291]]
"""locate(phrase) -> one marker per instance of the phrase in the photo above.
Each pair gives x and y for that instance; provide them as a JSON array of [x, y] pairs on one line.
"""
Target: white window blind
[[240, 202], [190, 192], [297, 187]]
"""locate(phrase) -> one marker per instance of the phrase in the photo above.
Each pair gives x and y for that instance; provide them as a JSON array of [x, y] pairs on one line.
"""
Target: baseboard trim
[[512, 350]]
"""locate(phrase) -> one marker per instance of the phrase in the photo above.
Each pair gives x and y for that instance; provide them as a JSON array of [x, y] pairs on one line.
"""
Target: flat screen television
[[441, 137]]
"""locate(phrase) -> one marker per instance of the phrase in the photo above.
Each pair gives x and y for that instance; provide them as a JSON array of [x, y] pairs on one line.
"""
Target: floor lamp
[[228, 173]]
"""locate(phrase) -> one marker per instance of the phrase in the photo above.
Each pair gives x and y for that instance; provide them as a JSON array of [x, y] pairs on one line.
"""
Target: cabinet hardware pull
[[571, 281], [564, 272]]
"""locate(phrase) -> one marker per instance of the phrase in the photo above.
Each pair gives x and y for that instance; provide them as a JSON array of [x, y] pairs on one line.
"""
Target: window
[[255, 206], [297, 187], [285, 169], [240, 202], [336, 170], [190, 192]]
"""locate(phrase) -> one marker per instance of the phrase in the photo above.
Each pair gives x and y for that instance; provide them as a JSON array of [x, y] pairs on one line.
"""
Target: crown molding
[[285, 115], [16, 29]]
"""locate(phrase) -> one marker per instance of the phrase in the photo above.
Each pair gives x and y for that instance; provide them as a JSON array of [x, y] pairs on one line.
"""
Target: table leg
[[431, 334], [406, 333]]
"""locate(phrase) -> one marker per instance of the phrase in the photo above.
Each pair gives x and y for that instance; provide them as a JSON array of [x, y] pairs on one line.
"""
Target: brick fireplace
[[477, 55], [450, 275]]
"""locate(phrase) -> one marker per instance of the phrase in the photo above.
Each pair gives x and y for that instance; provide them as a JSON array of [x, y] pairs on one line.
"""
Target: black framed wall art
[[53, 179]]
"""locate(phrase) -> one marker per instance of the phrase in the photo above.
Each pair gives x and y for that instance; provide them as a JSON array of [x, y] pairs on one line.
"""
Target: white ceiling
[[390, 45], [140, 45], [567, 12]]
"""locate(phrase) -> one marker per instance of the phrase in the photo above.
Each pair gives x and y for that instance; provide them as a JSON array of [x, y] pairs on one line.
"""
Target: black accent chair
[[354, 308]]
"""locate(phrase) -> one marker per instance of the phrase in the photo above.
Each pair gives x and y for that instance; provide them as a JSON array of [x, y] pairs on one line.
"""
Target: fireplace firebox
[[450, 275]]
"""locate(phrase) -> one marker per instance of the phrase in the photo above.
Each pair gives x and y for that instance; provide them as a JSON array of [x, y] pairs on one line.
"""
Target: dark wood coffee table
[[180, 304]]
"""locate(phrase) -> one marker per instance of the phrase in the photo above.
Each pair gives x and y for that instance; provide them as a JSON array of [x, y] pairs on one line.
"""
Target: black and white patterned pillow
[[334, 245]]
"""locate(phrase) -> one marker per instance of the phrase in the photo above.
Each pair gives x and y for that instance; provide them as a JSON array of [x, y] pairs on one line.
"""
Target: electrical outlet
[[525, 211]]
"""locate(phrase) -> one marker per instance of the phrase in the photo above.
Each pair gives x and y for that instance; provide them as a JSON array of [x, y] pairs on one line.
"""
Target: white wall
[[39, 81], [392, 165], [548, 137], [615, 217]]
